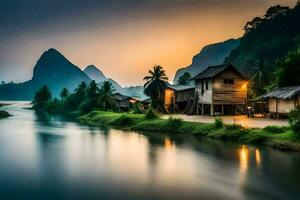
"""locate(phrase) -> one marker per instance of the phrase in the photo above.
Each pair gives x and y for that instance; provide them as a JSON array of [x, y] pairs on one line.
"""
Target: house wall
[[206, 97], [284, 105], [229, 93], [169, 94], [184, 96]]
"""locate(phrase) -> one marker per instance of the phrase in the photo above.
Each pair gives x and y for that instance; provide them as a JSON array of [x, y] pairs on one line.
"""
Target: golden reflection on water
[[169, 144], [257, 157], [244, 159]]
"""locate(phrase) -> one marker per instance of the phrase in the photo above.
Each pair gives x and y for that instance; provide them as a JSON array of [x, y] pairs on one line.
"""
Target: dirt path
[[242, 119]]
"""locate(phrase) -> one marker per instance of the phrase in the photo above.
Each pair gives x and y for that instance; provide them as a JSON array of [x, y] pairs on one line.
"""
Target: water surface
[[52, 158]]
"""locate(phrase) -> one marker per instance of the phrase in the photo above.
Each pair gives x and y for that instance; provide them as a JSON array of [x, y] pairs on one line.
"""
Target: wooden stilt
[[202, 109], [212, 109], [222, 109]]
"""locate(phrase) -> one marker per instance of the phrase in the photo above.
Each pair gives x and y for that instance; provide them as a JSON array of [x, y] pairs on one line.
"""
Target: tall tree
[[106, 99], [288, 70], [64, 93], [156, 82], [184, 79], [42, 98]]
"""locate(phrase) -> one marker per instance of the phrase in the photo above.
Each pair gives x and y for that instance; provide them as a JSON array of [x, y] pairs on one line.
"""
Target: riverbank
[[4, 114], [277, 137]]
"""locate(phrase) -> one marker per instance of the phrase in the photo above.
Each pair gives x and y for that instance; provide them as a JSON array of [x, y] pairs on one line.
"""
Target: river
[[45, 157]]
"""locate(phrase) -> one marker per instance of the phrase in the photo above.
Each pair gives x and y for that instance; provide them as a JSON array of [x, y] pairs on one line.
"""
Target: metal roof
[[212, 71], [181, 87], [121, 97], [283, 92]]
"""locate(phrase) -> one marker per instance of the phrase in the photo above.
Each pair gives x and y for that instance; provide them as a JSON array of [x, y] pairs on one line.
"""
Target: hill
[[213, 54], [52, 69]]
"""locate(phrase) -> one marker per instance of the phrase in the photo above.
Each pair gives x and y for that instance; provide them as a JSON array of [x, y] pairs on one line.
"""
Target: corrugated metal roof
[[213, 71], [120, 97], [181, 87], [283, 92]]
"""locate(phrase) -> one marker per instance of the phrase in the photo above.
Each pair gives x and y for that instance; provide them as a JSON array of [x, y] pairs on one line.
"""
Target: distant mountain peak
[[94, 73]]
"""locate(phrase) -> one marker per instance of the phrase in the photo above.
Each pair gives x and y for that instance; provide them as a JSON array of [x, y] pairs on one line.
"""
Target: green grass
[[277, 137], [4, 114]]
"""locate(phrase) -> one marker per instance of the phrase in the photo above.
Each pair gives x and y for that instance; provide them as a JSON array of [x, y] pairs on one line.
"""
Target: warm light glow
[[168, 96], [169, 144], [257, 157], [244, 156], [132, 100], [245, 85]]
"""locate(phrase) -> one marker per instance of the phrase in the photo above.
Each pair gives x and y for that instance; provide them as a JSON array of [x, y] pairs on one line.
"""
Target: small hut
[[124, 102], [178, 96], [281, 101]]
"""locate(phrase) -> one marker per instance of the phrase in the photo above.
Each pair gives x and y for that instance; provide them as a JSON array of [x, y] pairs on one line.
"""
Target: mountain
[[52, 69], [267, 39], [213, 54], [94, 73]]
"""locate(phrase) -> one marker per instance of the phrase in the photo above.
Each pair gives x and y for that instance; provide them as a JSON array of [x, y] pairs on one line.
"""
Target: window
[[206, 85], [229, 81]]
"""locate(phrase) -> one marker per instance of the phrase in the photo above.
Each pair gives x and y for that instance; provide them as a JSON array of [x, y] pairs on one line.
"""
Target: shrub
[[151, 114], [4, 114], [294, 120], [275, 129], [219, 122], [136, 108], [233, 126], [124, 120], [174, 122]]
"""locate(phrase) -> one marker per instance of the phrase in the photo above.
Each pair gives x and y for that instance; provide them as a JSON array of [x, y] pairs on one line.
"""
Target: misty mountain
[[52, 69], [96, 74], [213, 54]]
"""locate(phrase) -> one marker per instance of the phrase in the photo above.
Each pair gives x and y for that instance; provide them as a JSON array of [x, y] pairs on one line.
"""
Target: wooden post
[[277, 114], [202, 109], [222, 109], [212, 109]]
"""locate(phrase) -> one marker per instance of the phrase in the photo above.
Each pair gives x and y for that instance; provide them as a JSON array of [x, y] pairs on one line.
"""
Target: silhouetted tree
[[156, 82], [42, 98], [184, 79], [64, 93], [106, 99]]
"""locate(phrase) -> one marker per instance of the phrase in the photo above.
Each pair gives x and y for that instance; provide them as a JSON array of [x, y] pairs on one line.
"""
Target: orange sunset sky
[[123, 39]]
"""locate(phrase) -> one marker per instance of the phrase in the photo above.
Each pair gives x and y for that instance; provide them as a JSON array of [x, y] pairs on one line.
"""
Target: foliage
[[124, 120], [106, 99], [64, 93], [184, 79], [42, 98], [218, 122], [275, 129], [233, 126], [175, 121], [151, 114], [4, 114], [288, 70], [137, 108], [294, 120], [156, 82]]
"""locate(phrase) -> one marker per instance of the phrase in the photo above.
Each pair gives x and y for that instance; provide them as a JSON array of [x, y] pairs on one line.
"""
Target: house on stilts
[[219, 90]]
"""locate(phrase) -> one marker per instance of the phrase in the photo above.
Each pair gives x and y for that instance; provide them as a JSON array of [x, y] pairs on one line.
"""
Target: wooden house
[[281, 101], [219, 90], [177, 97], [124, 102]]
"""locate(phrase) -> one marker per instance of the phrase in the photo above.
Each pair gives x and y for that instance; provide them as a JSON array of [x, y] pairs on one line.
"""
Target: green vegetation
[[294, 120], [4, 114], [156, 82], [184, 79], [218, 122], [84, 99], [277, 137]]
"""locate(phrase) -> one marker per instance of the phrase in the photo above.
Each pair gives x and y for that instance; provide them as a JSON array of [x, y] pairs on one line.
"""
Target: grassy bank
[[4, 114], [277, 137]]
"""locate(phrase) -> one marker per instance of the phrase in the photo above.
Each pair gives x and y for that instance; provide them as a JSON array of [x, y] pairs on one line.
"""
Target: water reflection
[[43, 156]]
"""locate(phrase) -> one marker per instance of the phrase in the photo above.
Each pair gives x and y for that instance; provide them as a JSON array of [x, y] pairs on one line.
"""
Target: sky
[[123, 38]]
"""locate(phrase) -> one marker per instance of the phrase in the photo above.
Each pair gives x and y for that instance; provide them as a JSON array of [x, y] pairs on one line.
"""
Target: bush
[[219, 122], [151, 114], [234, 126], [275, 129], [124, 120], [174, 122], [4, 114], [137, 108], [294, 120]]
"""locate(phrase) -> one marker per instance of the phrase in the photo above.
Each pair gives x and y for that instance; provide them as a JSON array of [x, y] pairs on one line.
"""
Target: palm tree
[[156, 82], [106, 99]]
